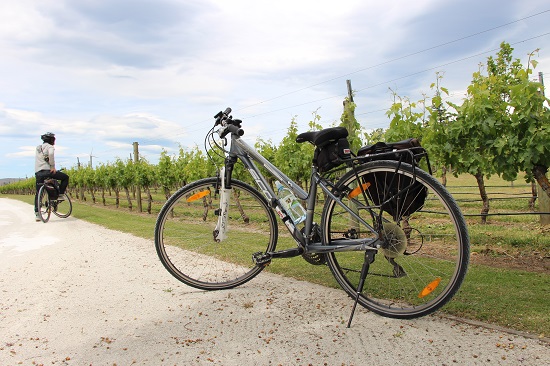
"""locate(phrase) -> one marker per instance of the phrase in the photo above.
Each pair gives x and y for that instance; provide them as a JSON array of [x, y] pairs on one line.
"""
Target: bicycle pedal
[[262, 259]]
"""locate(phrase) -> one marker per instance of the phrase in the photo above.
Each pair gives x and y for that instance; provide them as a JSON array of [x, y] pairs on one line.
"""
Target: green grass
[[513, 299], [510, 234], [510, 298]]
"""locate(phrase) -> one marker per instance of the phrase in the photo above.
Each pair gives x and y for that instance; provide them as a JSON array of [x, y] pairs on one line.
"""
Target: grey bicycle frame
[[247, 154]]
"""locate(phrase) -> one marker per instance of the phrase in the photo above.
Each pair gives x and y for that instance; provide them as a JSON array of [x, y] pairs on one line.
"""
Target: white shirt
[[44, 157]]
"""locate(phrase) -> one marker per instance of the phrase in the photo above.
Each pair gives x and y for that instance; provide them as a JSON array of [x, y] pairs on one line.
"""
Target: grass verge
[[510, 298]]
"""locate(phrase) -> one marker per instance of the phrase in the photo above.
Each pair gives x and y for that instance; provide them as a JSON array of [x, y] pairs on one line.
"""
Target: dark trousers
[[41, 175]]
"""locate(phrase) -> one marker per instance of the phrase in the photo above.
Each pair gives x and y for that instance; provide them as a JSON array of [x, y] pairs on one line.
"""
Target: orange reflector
[[198, 195], [357, 191], [429, 289]]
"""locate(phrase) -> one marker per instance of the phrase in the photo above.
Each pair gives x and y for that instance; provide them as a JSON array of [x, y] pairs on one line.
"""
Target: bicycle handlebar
[[229, 125]]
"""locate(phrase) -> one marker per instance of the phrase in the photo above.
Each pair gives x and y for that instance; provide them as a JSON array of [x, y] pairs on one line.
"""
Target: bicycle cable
[[208, 147]]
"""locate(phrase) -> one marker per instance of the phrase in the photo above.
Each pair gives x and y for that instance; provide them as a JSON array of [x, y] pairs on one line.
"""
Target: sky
[[102, 74]]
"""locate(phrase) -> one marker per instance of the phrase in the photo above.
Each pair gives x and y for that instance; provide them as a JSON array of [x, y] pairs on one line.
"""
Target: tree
[[145, 177], [269, 151], [349, 121], [294, 158], [409, 120], [166, 173], [110, 180], [522, 144], [483, 119], [180, 169], [91, 180], [195, 165], [503, 125], [101, 172], [374, 136], [466, 145], [125, 177], [406, 120], [436, 131], [80, 180]]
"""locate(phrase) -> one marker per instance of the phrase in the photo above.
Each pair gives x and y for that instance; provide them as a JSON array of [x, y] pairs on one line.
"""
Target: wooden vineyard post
[[138, 188]]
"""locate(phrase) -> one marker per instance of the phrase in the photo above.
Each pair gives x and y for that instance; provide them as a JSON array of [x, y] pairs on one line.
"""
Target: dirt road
[[74, 293]]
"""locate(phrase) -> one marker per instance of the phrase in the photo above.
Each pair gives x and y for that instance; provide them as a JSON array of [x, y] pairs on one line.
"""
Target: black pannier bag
[[52, 187], [407, 196]]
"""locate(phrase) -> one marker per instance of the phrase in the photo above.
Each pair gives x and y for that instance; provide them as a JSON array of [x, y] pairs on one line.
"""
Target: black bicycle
[[392, 235], [50, 200]]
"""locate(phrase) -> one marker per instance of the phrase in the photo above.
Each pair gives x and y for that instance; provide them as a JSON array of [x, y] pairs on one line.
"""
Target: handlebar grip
[[235, 129], [220, 116]]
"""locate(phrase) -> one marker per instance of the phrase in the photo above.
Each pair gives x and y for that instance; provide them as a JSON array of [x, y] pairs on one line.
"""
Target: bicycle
[[383, 218], [50, 200]]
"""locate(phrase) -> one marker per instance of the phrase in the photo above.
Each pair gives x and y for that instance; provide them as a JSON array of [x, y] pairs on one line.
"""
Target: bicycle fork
[[222, 212]]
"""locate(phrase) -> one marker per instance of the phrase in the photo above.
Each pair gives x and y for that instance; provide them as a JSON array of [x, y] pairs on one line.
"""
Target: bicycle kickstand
[[369, 258]]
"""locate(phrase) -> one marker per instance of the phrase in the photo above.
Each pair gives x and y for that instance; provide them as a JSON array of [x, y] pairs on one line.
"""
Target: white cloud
[[26, 151], [22, 21]]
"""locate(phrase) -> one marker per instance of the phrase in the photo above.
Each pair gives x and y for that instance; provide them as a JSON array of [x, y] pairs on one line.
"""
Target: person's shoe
[[61, 198], [37, 217]]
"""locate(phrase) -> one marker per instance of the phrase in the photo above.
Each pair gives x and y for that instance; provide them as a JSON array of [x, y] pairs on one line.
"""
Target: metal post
[[138, 189], [544, 200]]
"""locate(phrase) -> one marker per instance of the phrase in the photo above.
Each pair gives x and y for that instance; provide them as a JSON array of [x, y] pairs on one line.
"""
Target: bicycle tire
[[424, 261], [64, 208], [185, 242], [43, 204]]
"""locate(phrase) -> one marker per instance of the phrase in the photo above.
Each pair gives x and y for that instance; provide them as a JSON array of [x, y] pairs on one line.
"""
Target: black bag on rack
[[332, 154], [408, 196], [52, 187]]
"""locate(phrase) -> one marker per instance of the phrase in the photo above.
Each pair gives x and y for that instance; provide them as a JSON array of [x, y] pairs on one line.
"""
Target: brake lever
[[221, 116]]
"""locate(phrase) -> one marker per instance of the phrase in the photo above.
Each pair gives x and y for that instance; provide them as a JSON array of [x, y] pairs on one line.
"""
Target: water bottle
[[290, 203]]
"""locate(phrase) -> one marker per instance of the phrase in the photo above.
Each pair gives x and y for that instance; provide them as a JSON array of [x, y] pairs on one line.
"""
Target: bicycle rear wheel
[[184, 237], [62, 208], [425, 256], [43, 204]]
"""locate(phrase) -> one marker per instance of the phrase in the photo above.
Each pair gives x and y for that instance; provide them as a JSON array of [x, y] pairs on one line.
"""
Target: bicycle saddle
[[320, 138]]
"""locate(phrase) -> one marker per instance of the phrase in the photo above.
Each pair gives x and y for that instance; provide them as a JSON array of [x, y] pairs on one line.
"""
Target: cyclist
[[44, 167]]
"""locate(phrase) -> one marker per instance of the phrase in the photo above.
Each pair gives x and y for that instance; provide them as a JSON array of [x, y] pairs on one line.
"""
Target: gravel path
[[74, 293]]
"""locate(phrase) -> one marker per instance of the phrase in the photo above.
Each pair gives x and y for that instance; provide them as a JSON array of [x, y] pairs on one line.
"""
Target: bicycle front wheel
[[43, 204], [64, 207], [425, 254], [185, 241]]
